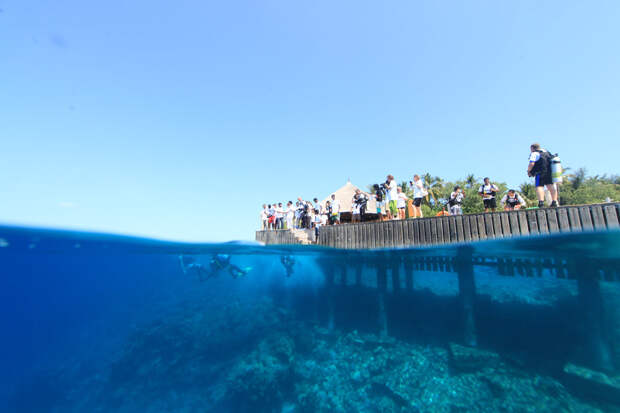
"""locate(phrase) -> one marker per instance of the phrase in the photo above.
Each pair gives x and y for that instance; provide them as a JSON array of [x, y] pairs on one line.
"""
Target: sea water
[[101, 323]]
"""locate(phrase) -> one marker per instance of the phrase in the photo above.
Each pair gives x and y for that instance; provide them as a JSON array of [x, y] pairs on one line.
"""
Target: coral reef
[[257, 357]]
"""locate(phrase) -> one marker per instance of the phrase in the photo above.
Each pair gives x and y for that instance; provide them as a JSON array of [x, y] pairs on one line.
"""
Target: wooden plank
[[390, 234], [563, 221], [523, 225], [532, 221], [409, 226], [433, 224], [416, 232], [488, 225], [482, 234], [541, 218], [398, 230], [425, 231], [339, 236], [368, 240], [405, 230], [466, 229], [586, 218], [497, 224], [355, 237], [574, 219], [361, 240], [611, 216], [372, 241], [460, 228], [513, 218], [506, 231], [446, 229], [552, 220], [439, 223], [598, 219], [380, 235], [452, 231], [473, 227]]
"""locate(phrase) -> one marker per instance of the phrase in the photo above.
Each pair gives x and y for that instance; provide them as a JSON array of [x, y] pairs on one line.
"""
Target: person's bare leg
[[553, 192], [540, 193]]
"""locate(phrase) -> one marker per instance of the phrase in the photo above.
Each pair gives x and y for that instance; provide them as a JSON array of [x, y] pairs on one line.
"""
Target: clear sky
[[177, 120]]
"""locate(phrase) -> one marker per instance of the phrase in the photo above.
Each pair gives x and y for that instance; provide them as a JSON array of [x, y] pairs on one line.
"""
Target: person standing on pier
[[279, 216], [456, 201], [401, 203], [540, 168], [392, 193], [290, 215], [487, 191], [264, 217], [335, 204], [419, 192]]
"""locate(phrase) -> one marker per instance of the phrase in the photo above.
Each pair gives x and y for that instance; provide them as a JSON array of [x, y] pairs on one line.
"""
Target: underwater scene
[[102, 323]]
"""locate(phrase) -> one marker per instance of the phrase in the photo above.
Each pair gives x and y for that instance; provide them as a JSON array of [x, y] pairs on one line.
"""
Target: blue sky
[[177, 120]]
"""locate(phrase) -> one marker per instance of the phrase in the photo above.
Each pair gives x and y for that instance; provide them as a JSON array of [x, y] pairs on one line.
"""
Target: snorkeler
[[288, 262]]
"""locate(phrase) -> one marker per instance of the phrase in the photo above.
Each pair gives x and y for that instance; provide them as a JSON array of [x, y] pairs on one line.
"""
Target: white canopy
[[345, 196]]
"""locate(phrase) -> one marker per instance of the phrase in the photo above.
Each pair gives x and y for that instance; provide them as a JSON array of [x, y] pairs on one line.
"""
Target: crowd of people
[[392, 203]]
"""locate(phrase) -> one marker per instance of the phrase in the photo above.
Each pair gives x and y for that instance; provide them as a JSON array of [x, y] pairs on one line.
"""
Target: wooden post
[[591, 306], [395, 274], [381, 290], [467, 293], [408, 264], [327, 266], [359, 267]]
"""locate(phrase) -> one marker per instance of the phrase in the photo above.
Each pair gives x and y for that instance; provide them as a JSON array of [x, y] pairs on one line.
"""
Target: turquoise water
[[100, 323]]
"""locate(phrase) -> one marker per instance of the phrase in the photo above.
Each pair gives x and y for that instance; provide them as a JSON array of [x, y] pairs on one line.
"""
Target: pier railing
[[459, 228]]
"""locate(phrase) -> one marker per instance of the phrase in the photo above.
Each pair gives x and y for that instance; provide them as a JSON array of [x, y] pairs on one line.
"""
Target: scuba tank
[[556, 169]]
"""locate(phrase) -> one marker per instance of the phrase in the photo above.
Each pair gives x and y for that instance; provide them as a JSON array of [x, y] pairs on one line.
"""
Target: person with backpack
[[513, 201], [487, 191], [540, 168], [456, 201]]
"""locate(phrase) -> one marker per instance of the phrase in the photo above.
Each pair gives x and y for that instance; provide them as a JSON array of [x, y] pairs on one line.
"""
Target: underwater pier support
[[591, 303], [408, 266], [381, 291], [467, 293], [330, 275]]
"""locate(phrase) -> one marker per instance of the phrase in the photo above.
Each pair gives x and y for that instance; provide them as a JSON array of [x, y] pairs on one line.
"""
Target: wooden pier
[[376, 246], [459, 228]]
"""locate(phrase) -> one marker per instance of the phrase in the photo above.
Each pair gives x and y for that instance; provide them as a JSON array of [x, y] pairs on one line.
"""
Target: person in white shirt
[[401, 203], [487, 191], [290, 215], [419, 192], [456, 201], [279, 216], [264, 217], [271, 216], [335, 204], [392, 196], [513, 200]]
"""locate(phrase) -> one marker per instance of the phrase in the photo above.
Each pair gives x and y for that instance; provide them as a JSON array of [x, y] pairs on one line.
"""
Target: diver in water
[[237, 272], [288, 262], [219, 262]]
